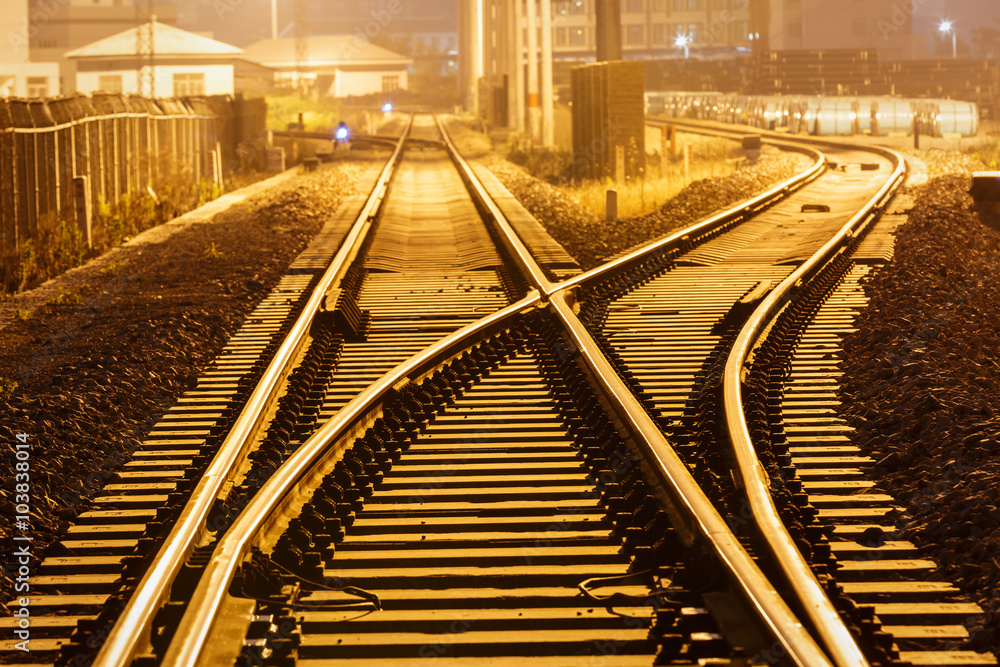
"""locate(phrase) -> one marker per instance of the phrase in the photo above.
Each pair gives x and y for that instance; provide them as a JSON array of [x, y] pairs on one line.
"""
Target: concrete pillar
[[513, 61], [609, 30], [518, 85], [534, 110], [548, 128]]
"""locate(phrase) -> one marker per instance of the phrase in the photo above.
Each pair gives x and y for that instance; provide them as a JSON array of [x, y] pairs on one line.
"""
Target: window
[[694, 4], [390, 83], [720, 4], [564, 7], [680, 4], [740, 31], [635, 34], [7, 85], [635, 6], [577, 37], [189, 84], [110, 83], [658, 5], [562, 36], [659, 35], [38, 86]]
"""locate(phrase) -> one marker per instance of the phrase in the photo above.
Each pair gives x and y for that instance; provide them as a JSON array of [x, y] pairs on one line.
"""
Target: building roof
[[167, 41], [324, 51]]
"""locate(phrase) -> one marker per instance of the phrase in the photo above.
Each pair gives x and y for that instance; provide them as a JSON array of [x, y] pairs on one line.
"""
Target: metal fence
[[121, 145]]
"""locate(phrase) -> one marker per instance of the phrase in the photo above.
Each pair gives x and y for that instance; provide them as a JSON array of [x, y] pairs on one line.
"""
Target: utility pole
[[609, 30], [274, 19], [301, 45], [513, 61], [519, 66], [144, 28], [534, 112], [548, 127]]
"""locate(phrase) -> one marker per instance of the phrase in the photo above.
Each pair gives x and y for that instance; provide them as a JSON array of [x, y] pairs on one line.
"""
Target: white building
[[184, 63], [18, 76], [337, 65]]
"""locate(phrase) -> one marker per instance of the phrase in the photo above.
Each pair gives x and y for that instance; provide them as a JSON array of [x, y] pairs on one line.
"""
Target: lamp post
[[946, 27], [683, 41]]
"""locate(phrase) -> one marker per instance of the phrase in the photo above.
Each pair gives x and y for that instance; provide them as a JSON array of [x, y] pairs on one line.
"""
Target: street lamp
[[683, 41], [946, 27]]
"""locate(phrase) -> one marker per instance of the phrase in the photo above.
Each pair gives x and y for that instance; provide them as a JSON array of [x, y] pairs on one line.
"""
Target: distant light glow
[[682, 40], [945, 26], [341, 133], [387, 107]]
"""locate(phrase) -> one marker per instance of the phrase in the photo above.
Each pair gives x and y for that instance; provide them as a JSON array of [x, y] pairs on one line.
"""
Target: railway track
[[460, 467]]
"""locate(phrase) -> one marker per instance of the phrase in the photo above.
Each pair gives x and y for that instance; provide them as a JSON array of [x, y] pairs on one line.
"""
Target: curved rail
[[131, 632], [736, 212], [196, 625], [673, 480], [754, 477]]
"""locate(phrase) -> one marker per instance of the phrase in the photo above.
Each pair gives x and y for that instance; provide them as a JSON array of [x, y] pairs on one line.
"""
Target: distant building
[[429, 25], [650, 28], [19, 76], [56, 27], [426, 30], [883, 26], [337, 65], [184, 64]]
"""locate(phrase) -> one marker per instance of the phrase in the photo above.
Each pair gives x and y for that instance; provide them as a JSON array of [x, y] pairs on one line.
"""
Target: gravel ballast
[[591, 240], [922, 387], [98, 365]]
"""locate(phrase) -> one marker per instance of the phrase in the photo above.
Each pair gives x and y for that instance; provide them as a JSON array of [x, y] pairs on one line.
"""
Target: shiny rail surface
[[755, 480], [676, 490], [131, 633], [196, 626]]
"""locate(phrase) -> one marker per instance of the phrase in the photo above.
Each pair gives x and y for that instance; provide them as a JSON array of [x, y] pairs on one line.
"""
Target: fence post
[[37, 195], [81, 189]]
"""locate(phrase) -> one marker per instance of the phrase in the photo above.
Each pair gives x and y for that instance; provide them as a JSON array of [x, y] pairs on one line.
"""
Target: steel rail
[[673, 241], [515, 246], [194, 630], [673, 483], [131, 633], [674, 479], [834, 634]]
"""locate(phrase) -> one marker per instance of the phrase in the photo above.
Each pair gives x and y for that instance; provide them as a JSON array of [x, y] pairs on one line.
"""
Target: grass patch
[[114, 267], [316, 115], [22, 314], [7, 388], [212, 253], [68, 297], [661, 181]]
